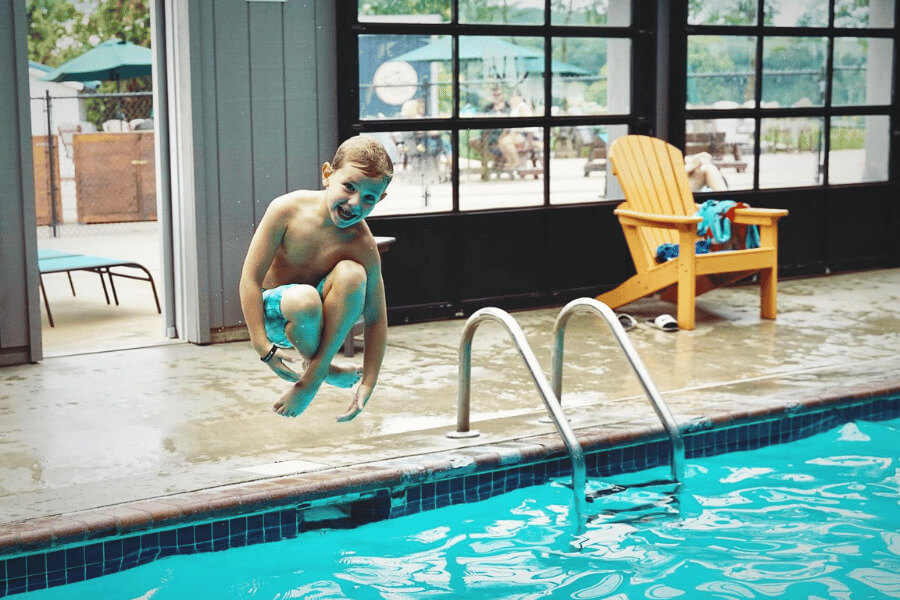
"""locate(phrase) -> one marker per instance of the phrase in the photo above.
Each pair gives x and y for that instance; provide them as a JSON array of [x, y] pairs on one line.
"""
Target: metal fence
[[93, 162]]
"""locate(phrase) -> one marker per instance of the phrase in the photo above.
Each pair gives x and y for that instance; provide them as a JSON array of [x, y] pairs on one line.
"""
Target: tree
[[405, 7], [59, 32], [50, 21]]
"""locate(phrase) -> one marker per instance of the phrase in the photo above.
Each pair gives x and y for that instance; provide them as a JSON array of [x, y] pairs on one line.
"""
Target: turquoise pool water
[[818, 518]]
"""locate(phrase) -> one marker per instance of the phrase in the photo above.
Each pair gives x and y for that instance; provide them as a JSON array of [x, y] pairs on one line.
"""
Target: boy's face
[[350, 194]]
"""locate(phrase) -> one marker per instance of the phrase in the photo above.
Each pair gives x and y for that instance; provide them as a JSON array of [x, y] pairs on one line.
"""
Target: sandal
[[626, 321], [664, 323]]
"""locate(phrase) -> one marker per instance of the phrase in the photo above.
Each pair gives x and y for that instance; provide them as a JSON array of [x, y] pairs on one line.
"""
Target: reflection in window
[[422, 172], [508, 12], [501, 76], [408, 11], [791, 152], [728, 144], [578, 163], [793, 71], [721, 71], [591, 76], [864, 13], [615, 13], [722, 12], [501, 168], [859, 149], [796, 13], [862, 71], [405, 76]]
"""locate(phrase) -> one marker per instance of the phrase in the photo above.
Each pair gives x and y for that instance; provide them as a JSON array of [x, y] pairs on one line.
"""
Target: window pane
[[864, 13], [405, 76], [859, 149], [614, 13], [862, 71], [722, 12], [493, 70], [578, 163], [721, 71], [422, 168], [793, 71], [511, 12], [500, 168], [591, 76], [791, 152], [727, 144], [405, 11], [796, 13]]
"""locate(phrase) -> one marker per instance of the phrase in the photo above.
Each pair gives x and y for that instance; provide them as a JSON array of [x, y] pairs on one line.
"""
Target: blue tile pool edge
[[421, 489]]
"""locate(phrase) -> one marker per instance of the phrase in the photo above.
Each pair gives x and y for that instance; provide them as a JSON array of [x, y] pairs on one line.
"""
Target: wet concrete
[[85, 431]]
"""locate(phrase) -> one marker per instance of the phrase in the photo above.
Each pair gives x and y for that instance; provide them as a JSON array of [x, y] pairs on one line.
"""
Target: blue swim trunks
[[274, 319]]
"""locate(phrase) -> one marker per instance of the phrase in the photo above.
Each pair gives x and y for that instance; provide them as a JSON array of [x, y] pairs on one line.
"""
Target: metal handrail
[[659, 405], [551, 401]]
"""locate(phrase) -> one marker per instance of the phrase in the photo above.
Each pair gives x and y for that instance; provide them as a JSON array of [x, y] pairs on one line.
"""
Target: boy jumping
[[311, 270]]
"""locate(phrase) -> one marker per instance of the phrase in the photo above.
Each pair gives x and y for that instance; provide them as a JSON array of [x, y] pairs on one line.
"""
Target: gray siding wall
[[19, 310], [265, 100]]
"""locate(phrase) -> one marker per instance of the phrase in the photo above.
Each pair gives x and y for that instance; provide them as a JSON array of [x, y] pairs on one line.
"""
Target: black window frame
[[639, 119], [826, 111]]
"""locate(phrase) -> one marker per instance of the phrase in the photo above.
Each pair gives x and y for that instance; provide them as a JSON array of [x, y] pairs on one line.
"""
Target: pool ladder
[[551, 394]]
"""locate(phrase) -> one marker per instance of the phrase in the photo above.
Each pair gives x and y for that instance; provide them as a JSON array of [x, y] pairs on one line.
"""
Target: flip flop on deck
[[664, 323], [627, 321]]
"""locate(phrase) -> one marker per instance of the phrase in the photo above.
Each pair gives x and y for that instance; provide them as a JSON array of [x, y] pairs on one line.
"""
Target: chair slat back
[[653, 178]]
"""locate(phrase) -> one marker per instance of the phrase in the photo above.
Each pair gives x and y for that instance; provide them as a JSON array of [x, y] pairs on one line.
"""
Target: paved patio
[[86, 431]]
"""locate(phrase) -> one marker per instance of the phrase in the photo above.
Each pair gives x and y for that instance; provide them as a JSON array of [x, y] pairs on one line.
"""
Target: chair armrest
[[654, 220], [758, 216]]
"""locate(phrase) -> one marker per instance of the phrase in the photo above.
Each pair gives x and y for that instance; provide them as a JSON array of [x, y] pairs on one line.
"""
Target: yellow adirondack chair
[[659, 208]]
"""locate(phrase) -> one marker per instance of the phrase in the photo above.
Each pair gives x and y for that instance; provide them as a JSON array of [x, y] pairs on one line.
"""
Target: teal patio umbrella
[[113, 60], [470, 48], [479, 47]]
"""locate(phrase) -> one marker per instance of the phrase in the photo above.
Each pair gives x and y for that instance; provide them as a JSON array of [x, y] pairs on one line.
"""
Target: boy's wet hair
[[366, 152]]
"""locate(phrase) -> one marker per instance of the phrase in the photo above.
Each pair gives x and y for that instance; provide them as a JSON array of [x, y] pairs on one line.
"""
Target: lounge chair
[[56, 261], [659, 209]]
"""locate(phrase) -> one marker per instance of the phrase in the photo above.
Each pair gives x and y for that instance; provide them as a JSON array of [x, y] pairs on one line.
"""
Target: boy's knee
[[350, 274], [301, 303]]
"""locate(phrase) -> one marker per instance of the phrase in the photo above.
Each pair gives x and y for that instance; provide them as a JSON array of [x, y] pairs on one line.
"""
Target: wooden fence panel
[[114, 177], [41, 157]]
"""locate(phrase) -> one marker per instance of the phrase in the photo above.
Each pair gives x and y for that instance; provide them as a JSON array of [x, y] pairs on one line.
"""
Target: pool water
[[817, 518]]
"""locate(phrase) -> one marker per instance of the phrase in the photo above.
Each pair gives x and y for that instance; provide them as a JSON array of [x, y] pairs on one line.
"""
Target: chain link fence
[[94, 163]]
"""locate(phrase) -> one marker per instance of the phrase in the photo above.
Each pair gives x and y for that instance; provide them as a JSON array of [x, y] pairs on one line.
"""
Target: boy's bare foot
[[295, 400], [343, 376]]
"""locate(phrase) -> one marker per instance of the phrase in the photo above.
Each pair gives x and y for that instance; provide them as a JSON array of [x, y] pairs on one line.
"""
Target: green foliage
[[730, 59], [405, 7], [595, 13], [48, 22], [785, 136], [58, 32], [848, 138]]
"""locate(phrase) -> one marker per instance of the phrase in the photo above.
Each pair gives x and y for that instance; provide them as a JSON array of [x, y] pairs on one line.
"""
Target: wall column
[[20, 318]]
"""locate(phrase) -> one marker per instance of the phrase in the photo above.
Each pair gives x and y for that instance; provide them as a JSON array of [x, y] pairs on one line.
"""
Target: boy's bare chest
[[307, 255]]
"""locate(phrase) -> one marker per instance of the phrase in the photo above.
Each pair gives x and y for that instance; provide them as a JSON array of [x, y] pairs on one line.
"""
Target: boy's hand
[[279, 364], [360, 398]]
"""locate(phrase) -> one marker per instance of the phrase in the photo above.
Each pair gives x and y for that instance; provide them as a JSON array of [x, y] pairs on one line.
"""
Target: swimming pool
[[812, 518]]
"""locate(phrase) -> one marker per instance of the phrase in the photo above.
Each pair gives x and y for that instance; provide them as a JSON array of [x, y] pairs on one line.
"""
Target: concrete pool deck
[[98, 434]]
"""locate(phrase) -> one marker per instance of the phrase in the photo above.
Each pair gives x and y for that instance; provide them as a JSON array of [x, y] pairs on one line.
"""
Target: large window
[[493, 104], [782, 93]]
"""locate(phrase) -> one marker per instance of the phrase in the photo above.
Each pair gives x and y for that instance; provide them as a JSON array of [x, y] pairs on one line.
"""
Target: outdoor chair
[[58, 261], [116, 126], [660, 209], [66, 132], [724, 155]]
